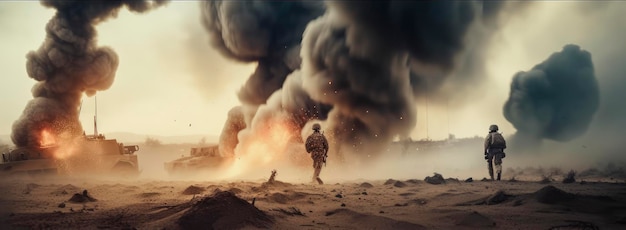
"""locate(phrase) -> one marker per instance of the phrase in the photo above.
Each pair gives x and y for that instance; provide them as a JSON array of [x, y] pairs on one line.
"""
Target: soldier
[[317, 145], [494, 150]]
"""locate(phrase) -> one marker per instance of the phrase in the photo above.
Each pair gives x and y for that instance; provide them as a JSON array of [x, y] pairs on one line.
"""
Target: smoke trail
[[68, 64], [556, 99]]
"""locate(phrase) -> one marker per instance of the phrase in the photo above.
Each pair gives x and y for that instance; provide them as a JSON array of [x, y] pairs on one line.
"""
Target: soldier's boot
[[319, 180], [316, 175], [499, 176]]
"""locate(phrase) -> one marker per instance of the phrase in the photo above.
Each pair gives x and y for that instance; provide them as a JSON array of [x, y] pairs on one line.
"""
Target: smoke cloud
[[556, 99], [363, 64], [260, 31], [357, 58], [68, 64]]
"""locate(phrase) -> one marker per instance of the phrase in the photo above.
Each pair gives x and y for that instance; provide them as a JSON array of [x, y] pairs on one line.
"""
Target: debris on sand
[[469, 180], [475, 220], [366, 185], [223, 210], [570, 177], [82, 198], [435, 179], [551, 195], [193, 190], [272, 177]]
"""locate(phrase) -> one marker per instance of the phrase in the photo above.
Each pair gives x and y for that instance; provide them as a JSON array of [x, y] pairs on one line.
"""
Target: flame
[[266, 146], [47, 138]]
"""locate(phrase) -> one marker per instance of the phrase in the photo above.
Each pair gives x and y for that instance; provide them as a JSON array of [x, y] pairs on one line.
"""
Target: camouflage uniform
[[317, 145], [493, 155]]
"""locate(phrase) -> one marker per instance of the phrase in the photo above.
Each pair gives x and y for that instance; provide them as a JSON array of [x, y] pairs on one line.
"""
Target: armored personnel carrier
[[199, 159], [91, 154]]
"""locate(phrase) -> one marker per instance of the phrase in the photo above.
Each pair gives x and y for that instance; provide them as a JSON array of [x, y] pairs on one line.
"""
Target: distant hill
[[128, 138]]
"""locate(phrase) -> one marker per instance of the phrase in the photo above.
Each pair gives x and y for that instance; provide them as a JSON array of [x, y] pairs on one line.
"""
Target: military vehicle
[[86, 155], [91, 154], [199, 159]]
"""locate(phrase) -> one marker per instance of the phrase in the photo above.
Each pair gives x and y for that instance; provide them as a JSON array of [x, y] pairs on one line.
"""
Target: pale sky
[[169, 77]]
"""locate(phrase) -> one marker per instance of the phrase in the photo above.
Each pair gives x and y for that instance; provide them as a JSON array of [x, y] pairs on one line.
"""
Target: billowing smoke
[[68, 64], [363, 63], [357, 57], [266, 32], [556, 99]]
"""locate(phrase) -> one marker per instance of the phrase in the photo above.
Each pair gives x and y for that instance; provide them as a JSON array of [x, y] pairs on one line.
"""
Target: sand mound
[[283, 198], [366, 185], [223, 210], [82, 198], [389, 181], [551, 195], [399, 184], [435, 179], [193, 190], [475, 220], [275, 183], [496, 198]]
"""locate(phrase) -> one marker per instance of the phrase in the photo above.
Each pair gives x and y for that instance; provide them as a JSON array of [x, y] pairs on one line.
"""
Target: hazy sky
[[170, 78]]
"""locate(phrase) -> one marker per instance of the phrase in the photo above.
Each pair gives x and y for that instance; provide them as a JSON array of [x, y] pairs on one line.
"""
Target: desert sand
[[58, 203]]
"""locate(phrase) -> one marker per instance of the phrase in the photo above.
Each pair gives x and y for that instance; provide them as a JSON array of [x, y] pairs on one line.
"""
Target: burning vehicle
[[92, 154], [199, 159]]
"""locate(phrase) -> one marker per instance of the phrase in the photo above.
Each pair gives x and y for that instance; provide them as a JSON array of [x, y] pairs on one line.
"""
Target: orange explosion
[[268, 144], [47, 139]]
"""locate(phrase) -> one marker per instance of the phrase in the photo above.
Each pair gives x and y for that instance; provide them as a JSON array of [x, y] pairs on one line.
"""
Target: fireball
[[46, 138]]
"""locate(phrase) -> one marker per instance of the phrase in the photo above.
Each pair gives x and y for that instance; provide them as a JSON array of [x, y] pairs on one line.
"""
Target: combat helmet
[[493, 128], [317, 127]]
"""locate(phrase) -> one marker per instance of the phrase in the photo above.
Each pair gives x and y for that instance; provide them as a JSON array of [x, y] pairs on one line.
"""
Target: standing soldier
[[317, 145], [494, 150]]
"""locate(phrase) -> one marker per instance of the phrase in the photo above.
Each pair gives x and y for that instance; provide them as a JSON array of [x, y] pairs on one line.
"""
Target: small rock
[[339, 195], [364, 193], [381, 211], [62, 205], [343, 205], [469, 180], [366, 185], [484, 179], [435, 179]]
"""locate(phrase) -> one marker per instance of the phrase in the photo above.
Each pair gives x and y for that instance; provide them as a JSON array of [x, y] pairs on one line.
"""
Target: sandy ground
[[408, 204]]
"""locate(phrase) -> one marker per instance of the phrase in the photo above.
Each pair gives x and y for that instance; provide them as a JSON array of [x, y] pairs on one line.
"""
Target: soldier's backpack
[[314, 142], [497, 141]]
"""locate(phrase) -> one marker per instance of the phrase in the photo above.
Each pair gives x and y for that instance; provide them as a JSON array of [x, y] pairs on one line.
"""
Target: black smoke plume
[[556, 99], [356, 58], [363, 63], [266, 32], [68, 64]]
